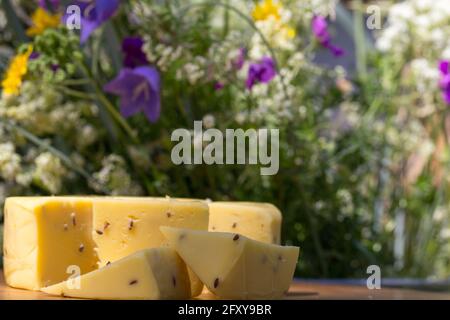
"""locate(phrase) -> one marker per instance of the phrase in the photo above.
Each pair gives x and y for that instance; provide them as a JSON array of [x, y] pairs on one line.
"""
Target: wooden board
[[299, 291]]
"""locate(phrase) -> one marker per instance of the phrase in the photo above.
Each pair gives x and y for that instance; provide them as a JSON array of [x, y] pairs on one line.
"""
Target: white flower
[[241, 117], [445, 234], [277, 33], [307, 9], [193, 71], [437, 35], [9, 162], [402, 11], [423, 5], [24, 179], [114, 175], [87, 136], [422, 24], [426, 74], [49, 172], [446, 53], [162, 55], [439, 214], [209, 121]]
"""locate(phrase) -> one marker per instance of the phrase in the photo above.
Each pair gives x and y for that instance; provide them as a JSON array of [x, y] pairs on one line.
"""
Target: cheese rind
[[257, 221], [122, 227], [233, 266], [43, 237], [150, 274]]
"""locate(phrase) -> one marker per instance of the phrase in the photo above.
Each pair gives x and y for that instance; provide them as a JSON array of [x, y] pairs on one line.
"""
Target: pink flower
[[320, 30], [444, 82]]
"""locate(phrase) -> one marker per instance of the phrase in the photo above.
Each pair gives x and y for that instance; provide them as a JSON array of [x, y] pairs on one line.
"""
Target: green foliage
[[59, 52]]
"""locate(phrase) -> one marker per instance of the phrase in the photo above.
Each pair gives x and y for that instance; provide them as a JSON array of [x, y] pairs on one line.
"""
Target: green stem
[[109, 106], [226, 18], [75, 82], [113, 45], [96, 47], [76, 93], [117, 116]]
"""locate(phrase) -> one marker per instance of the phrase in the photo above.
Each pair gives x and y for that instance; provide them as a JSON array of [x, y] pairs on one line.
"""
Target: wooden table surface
[[300, 290]]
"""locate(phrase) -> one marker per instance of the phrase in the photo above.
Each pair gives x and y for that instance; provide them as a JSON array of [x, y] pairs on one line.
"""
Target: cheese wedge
[[257, 221], [151, 274], [233, 266], [43, 237], [122, 227]]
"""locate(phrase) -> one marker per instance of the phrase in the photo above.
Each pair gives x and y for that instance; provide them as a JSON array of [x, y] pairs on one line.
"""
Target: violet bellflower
[[261, 72], [134, 56], [320, 30], [93, 14], [444, 82], [139, 90]]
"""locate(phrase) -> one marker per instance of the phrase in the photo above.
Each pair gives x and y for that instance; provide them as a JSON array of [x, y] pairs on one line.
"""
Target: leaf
[[113, 46]]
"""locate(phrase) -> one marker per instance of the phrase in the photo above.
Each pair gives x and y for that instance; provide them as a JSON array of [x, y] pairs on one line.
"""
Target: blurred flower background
[[364, 137]]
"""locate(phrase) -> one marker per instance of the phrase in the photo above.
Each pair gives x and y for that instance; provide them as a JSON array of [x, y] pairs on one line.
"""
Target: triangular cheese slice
[[150, 274], [233, 266]]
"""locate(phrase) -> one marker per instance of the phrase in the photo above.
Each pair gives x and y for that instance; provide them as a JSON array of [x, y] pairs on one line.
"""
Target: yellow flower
[[16, 70], [272, 9], [42, 20], [289, 32], [267, 9]]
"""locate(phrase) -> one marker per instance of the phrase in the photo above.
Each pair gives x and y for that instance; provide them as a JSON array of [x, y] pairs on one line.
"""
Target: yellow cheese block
[[122, 227], [43, 237], [233, 266], [257, 221], [150, 274]]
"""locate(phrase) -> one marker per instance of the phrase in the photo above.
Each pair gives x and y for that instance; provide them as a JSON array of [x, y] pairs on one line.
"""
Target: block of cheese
[[122, 227], [233, 266], [43, 236], [150, 274], [257, 221]]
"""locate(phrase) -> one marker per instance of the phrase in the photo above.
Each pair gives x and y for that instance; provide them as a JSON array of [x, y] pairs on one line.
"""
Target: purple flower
[[34, 55], [444, 82], [262, 72], [219, 86], [139, 90], [133, 54], [320, 30], [49, 5], [93, 14]]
